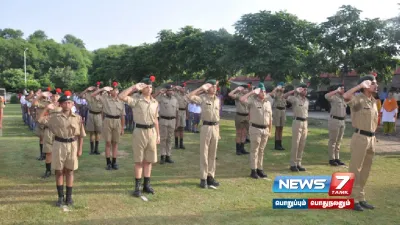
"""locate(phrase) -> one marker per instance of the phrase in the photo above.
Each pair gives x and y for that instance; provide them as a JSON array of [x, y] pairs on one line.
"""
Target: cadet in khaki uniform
[[364, 117], [48, 137], [260, 129], [241, 117], [168, 113], [279, 115], [40, 102], [182, 114], [299, 126], [336, 123], [2, 106], [94, 120], [67, 147], [209, 134], [146, 134], [113, 124]]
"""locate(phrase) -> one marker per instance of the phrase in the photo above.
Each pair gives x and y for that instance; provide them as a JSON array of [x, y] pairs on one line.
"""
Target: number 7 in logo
[[341, 184]]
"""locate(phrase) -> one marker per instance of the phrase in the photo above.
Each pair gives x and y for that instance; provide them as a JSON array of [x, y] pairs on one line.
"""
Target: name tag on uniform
[[208, 104], [367, 108], [259, 107]]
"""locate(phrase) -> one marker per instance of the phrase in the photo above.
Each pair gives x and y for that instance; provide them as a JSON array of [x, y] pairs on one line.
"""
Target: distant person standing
[[389, 114], [336, 123], [383, 95]]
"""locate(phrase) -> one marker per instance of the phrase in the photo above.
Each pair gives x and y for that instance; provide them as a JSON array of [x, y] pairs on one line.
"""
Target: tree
[[71, 39], [62, 77], [271, 43], [38, 35], [355, 44], [14, 79], [9, 33]]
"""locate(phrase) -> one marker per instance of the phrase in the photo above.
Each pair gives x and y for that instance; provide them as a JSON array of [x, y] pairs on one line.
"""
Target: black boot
[[300, 168], [294, 169], [96, 148], [91, 148], [48, 171], [357, 207], [137, 192], [41, 157], [211, 181], [114, 164], [203, 183], [261, 173], [109, 166], [365, 205], [168, 159], [340, 163], [247, 140], [181, 146], [147, 187], [280, 145], [333, 162], [242, 150], [238, 152], [176, 143], [162, 161], [68, 199], [60, 191], [253, 174]]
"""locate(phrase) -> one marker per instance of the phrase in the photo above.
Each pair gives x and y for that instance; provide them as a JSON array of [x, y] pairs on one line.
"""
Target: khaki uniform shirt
[[64, 126], [240, 107], [112, 106], [279, 100], [260, 111], [144, 112], [94, 103], [338, 105], [364, 112], [300, 106], [168, 105], [209, 107], [41, 105], [182, 101]]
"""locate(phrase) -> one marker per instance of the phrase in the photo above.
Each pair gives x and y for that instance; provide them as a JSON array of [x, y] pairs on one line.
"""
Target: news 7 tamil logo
[[339, 184]]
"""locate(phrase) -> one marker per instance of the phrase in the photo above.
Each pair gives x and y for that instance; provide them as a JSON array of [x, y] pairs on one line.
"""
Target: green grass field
[[104, 197]]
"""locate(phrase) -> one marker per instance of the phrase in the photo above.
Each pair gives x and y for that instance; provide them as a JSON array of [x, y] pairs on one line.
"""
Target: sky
[[100, 23]]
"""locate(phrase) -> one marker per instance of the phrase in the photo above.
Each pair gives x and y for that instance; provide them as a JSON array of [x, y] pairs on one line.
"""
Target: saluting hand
[[366, 84], [257, 91], [205, 87], [299, 89], [90, 88], [339, 89], [140, 86], [50, 106], [107, 88], [239, 88], [45, 94]]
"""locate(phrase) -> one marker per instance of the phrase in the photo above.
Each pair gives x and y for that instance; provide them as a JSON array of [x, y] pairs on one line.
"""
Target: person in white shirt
[[389, 112]]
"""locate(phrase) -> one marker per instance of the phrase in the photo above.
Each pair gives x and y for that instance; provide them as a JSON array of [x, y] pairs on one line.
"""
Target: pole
[[25, 65]]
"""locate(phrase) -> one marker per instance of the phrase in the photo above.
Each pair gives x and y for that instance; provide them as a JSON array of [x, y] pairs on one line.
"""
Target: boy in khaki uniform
[[241, 117], [68, 130], [260, 128], [299, 126], [113, 124], [279, 115], [40, 102], [48, 137], [94, 120], [364, 118], [209, 134], [169, 107], [146, 134], [182, 115], [336, 123]]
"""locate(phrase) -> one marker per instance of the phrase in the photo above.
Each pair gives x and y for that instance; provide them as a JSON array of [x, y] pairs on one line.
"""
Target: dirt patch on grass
[[121, 154]]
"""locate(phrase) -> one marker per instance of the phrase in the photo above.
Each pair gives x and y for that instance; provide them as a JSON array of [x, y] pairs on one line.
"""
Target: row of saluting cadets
[[161, 116]]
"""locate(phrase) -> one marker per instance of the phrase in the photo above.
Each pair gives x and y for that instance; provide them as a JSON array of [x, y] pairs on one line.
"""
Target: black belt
[[337, 117], [65, 140], [281, 108], [111, 117], [92, 112], [300, 118], [208, 123], [258, 126], [167, 117], [182, 109], [242, 114], [366, 133], [142, 126]]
